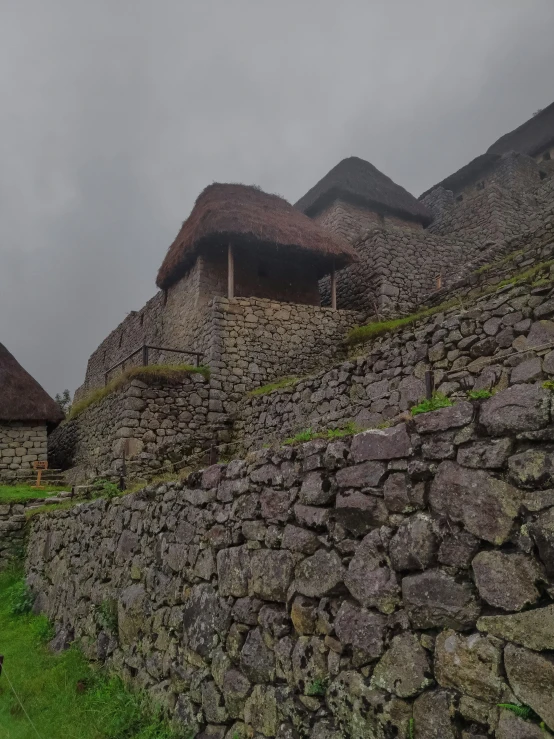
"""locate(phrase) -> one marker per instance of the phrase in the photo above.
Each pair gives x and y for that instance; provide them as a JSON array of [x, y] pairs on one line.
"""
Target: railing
[[145, 351]]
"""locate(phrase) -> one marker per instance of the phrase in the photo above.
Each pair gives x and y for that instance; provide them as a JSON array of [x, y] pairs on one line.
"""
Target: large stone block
[[531, 677], [271, 574], [434, 599], [381, 444], [362, 629], [486, 506], [516, 409], [404, 669], [369, 578], [533, 629], [507, 581]]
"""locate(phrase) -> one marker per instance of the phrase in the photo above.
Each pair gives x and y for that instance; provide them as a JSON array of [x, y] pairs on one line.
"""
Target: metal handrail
[[145, 348]]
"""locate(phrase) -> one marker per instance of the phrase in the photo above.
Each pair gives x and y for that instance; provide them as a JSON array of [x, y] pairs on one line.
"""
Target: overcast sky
[[116, 113]]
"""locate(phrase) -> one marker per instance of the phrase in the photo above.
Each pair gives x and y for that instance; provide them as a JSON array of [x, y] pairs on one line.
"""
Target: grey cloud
[[117, 113]]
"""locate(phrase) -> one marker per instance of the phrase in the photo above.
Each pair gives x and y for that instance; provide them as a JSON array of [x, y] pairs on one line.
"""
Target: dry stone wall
[[397, 583], [147, 423], [258, 340], [502, 338], [21, 444]]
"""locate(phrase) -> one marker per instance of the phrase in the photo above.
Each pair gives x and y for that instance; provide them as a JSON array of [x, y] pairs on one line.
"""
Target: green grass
[[317, 688], [548, 385], [64, 696], [479, 394], [170, 373], [348, 429], [361, 334], [437, 401], [277, 385], [22, 493], [524, 712]]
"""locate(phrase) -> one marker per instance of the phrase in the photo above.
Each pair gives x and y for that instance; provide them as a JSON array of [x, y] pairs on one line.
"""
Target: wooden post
[[145, 356], [429, 384], [333, 288], [230, 273]]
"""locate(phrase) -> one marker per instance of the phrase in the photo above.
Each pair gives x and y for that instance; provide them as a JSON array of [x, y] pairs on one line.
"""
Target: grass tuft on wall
[[169, 373]]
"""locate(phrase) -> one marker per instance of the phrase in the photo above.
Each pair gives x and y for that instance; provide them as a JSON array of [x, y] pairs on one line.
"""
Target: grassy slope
[[20, 493], [48, 686]]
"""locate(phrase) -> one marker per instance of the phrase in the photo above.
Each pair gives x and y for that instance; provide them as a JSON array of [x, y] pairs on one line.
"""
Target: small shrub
[[317, 688], [437, 401], [479, 394], [106, 614], [21, 599], [548, 385], [105, 489]]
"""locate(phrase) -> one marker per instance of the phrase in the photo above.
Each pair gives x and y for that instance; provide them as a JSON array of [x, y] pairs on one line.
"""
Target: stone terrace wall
[[150, 423], [258, 340], [398, 268], [339, 589], [349, 220], [21, 444], [492, 341], [12, 532]]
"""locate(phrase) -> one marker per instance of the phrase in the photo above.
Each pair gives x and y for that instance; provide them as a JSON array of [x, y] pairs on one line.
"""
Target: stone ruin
[[390, 582]]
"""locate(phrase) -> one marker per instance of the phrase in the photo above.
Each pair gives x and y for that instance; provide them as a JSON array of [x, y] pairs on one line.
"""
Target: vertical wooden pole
[[230, 272], [333, 288], [429, 384]]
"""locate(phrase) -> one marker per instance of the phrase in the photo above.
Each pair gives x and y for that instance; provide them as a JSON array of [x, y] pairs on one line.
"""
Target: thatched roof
[[226, 213], [359, 182], [532, 137], [21, 397]]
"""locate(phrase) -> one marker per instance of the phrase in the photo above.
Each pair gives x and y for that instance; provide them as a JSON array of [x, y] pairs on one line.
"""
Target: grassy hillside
[[63, 695]]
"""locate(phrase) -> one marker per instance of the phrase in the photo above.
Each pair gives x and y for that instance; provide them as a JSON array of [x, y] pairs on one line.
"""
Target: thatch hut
[[27, 413], [355, 195], [244, 242]]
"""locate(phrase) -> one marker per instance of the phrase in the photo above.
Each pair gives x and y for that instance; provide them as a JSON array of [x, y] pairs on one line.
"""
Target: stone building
[[27, 414], [237, 243]]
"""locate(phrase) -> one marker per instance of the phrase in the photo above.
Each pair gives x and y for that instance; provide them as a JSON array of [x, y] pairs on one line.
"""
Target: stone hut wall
[[21, 444], [494, 208], [398, 267], [395, 583], [148, 423], [493, 341], [350, 221]]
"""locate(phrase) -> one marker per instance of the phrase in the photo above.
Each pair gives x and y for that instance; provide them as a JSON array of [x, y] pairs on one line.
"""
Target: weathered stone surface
[[471, 664], [443, 419], [271, 574], [377, 444], [256, 659], [236, 687], [542, 531], [205, 616], [434, 599], [533, 629], [400, 496], [434, 715], [301, 540], [404, 669], [366, 474], [355, 707], [511, 726], [316, 489], [319, 575], [485, 454], [364, 630], [458, 548], [541, 333], [303, 615], [212, 703], [485, 505], [518, 408], [132, 613], [260, 710], [415, 545], [531, 677], [369, 578], [507, 581], [527, 371], [233, 570], [532, 468], [358, 512]]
